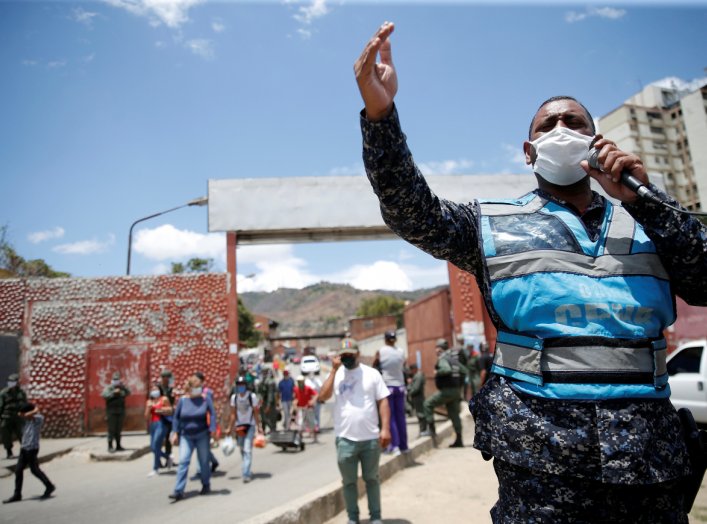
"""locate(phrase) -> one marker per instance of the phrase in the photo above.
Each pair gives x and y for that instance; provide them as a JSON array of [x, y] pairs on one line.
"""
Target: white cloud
[[446, 167], [41, 236], [307, 14], [201, 47], [56, 64], [83, 17], [218, 26], [382, 274], [166, 242], [172, 13], [353, 169], [85, 247], [515, 154], [29, 63], [89, 58], [602, 12]]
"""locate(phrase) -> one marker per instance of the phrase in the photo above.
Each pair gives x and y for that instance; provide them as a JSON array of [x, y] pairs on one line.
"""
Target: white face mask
[[155, 393], [195, 392], [115, 382], [11, 383], [559, 153]]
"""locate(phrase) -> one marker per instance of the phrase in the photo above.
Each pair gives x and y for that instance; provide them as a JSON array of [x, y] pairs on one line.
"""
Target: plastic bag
[[259, 441], [228, 445]]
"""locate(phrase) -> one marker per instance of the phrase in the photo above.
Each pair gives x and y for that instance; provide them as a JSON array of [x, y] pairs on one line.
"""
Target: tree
[[382, 305], [193, 265], [247, 334], [13, 265]]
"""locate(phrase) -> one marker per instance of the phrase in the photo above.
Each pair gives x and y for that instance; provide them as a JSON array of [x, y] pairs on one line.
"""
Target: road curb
[[325, 503]]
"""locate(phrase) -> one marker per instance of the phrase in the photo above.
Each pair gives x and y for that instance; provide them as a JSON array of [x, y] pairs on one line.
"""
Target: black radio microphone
[[627, 179]]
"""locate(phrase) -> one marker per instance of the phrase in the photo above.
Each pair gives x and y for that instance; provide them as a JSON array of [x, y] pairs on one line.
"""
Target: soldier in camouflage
[[556, 459], [11, 398], [449, 378]]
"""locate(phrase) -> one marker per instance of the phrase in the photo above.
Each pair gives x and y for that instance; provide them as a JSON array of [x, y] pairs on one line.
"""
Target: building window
[[653, 114], [658, 130], [659, 145]]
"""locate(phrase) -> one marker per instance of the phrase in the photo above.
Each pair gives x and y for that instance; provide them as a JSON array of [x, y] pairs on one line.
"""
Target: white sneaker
[[152, 473], [170, 462], [395, 452]]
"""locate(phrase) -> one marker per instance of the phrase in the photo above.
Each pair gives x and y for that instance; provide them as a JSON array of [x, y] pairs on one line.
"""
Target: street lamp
[[201, 201]]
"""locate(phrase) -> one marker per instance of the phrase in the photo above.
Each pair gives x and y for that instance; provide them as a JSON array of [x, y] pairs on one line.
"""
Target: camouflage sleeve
[[444, 229], [681, 243]]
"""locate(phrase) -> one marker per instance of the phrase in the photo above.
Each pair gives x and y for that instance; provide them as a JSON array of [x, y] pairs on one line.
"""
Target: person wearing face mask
[[360, 405], [576, 411], [11, 398], [115, 394], [245, 421], [157, 408], [193, 425]]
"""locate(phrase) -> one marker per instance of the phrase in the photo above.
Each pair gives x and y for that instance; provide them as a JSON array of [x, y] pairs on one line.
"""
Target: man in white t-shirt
[[359, 399]]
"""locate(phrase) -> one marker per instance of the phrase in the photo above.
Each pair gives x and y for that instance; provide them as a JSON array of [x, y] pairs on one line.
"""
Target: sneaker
[[205, 490], [214, 466], [48, 492], [247, 479], [395, 451], [119, 448], [14, 498], [152, 473], [176, 497], [170, 462]]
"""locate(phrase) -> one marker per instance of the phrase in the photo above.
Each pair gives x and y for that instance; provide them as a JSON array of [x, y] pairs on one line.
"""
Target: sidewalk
[[136, 444]]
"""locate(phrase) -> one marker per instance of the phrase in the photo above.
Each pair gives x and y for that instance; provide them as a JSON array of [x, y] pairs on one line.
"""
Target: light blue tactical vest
[[576, 319]]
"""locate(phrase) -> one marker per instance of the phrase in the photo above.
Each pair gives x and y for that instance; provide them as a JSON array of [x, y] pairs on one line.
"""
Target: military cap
[[116, 375], [14, 377], [442, 343]]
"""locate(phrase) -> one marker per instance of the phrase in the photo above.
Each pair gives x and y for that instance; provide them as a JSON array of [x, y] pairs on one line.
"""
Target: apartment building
[[666, 125]]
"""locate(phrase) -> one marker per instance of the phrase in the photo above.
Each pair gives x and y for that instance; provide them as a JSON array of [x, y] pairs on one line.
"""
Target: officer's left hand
[[613, 162], [384, 438]]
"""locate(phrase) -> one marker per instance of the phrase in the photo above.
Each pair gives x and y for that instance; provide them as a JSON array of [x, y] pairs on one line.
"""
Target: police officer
[[268, 397], [114, 395], [449, 377], [416, 395], [11, 398]]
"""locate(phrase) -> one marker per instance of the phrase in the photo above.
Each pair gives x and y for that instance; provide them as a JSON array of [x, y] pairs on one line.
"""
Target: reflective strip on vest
[[591, 364]]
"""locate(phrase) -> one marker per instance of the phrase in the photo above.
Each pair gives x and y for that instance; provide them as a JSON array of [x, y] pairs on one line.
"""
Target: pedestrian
[[305, 400], [360, 405], [29, 451], [390, 361], [449, 378], [115, 394], [268, 401], [576, 411], [315, 382], [11, 398], [157, 408], [208, 392], [245, 422], [416, 394], [166, 386], [485, 363], [285, 390], [193, 425]]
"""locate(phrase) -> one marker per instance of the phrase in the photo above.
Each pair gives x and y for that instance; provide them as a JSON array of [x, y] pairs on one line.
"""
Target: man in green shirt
[[114, 395], [449, 378]]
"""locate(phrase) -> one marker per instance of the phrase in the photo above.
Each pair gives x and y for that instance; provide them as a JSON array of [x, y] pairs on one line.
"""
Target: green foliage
[[13, 265], [193, 265], [382, 305], [247, 334]]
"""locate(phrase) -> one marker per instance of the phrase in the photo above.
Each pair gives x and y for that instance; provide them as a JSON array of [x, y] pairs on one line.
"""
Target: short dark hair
[[199, 375], [555, 99]]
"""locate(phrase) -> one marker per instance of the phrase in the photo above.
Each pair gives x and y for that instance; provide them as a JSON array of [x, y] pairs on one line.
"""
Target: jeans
[[398, 424], [187, 444], [157, 433], [287, 409], [246, 446], [348, 455], [28, 458]]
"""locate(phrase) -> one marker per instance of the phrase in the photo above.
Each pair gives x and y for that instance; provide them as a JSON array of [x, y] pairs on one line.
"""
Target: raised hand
[[377, 82]]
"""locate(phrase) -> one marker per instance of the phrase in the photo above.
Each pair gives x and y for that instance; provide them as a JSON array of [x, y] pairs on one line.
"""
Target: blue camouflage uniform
[[595, 459]]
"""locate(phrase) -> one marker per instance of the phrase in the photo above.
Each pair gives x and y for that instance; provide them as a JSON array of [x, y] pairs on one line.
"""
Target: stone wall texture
[[76, 331]]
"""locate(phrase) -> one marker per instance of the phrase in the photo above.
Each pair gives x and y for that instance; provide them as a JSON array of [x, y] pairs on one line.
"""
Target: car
[[309, 364], [687, 368]]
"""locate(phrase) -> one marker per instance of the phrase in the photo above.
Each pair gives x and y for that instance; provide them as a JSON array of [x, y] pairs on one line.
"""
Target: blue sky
[[114, 110]]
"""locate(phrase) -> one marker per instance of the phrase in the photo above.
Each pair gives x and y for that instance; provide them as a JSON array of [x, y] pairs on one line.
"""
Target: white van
[[687, 367]]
